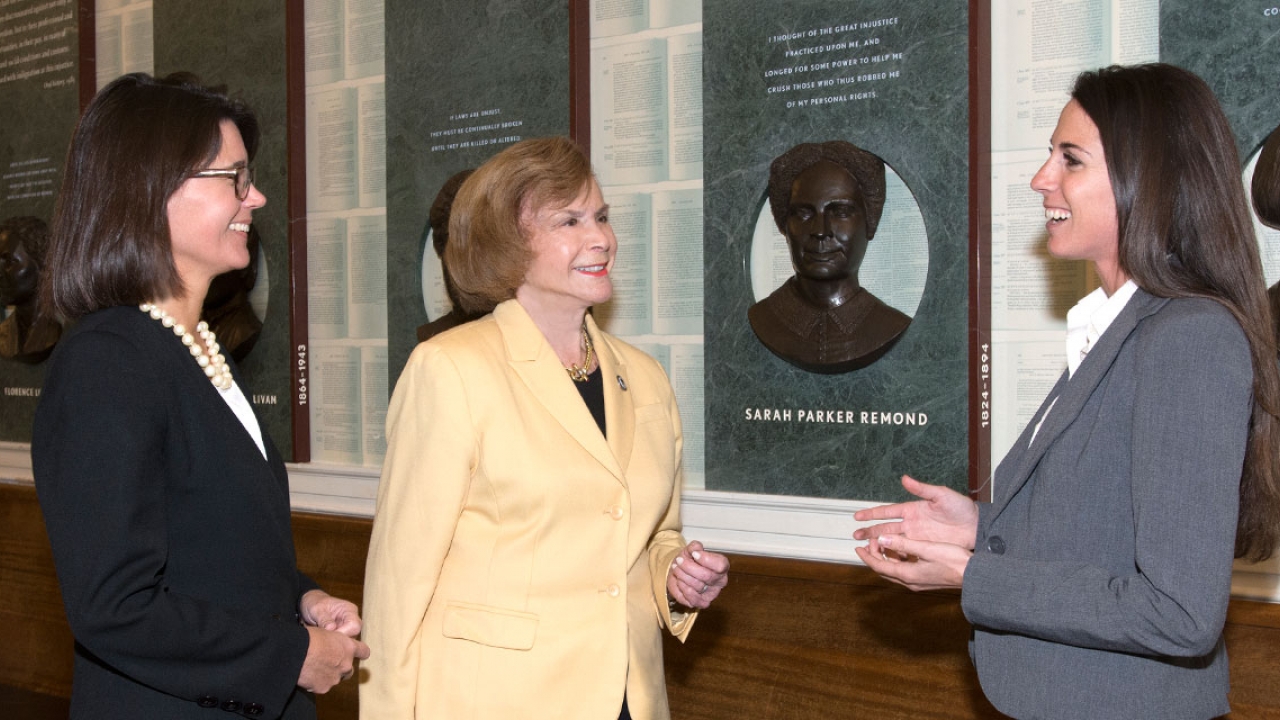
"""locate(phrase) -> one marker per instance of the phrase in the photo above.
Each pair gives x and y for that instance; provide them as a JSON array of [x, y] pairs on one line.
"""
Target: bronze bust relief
[[27, 334], [1265, 193], [438, 223], [827, 200]]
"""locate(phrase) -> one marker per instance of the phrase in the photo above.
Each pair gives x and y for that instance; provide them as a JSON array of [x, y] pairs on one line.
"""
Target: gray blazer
[[1099, 583]]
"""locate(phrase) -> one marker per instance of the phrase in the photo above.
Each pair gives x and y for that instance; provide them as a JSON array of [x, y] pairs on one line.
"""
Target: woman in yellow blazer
[[526, 548]]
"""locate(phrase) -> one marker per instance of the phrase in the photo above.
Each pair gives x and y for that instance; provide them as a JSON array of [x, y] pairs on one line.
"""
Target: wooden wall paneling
[[38, 645], [787, 640], [580, 73], [1253, 641], [332, 550], [296, 199], [790, 639]]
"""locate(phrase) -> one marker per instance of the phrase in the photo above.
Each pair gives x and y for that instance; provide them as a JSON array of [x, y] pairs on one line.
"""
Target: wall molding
[[767, 525]]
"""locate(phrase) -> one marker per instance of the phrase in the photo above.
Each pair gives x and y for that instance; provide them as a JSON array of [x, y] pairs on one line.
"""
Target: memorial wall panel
[[840, 404], [39, 91]]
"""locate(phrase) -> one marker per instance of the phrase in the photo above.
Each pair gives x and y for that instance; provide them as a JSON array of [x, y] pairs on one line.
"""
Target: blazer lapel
[[619, 410], [216, 408], [257, 417], [1072, 394], [531, 358], [1025, 454]]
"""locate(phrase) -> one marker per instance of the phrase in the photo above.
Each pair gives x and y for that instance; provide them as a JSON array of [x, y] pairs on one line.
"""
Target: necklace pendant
[[580, 374]]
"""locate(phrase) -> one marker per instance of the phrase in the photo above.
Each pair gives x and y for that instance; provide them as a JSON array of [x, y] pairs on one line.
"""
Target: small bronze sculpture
[[438, 220], [27, 334], [827, 199]]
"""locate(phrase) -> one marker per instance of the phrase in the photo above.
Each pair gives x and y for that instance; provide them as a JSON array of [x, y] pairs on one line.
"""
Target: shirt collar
[[1090, 318]]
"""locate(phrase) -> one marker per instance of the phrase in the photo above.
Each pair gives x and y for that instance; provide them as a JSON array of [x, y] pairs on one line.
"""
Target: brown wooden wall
[[787, 640]]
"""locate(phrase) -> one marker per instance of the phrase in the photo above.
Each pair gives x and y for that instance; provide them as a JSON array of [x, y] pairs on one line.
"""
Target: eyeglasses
[[243, 177]]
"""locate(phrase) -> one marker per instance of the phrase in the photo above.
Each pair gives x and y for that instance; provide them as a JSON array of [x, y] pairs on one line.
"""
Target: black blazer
[[170, 532]]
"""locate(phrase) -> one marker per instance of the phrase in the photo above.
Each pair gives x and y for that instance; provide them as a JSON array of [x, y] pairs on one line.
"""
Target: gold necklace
[[580, 373]]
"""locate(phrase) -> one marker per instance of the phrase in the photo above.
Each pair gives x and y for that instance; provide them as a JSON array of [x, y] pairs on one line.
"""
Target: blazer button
[[616, 512], [253, 709], [231, 706], [613, 590], [996, 545], [208, 701]]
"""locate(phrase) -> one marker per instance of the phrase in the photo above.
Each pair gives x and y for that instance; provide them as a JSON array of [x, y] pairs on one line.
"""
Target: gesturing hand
[[916, 564], [940, 515]]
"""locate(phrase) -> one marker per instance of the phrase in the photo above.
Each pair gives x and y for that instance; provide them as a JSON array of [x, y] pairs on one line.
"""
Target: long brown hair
[[1185, 231], [136, 144]]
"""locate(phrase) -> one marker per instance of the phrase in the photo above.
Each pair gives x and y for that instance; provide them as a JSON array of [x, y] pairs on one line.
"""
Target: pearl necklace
[[211, 361]]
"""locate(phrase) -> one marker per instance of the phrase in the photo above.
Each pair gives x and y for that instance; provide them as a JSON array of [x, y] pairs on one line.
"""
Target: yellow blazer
[[518, 562]]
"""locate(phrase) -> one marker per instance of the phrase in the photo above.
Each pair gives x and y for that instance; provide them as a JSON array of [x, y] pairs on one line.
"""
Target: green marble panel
[[241, 44], [890, 77], [39, 92], [459, 73], [1235, 46]]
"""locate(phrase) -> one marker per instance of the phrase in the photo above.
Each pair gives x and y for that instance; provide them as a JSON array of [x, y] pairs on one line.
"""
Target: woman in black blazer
[[1097, 580], [167, 506]]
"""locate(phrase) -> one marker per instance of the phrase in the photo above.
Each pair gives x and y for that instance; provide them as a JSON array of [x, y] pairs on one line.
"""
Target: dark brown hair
[[488, 254], [866, 169], [136, 144], [1185, 231]]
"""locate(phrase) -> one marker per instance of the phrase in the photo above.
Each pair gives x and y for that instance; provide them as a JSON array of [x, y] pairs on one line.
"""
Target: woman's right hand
[[697, 576], [940, 515]]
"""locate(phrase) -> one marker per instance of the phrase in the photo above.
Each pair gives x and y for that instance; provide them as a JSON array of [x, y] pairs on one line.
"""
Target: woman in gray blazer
[[1097, 579]]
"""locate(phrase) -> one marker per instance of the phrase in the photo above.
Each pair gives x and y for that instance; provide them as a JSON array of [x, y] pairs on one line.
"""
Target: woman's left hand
[[697, 576], [916, 564], [323, 610]]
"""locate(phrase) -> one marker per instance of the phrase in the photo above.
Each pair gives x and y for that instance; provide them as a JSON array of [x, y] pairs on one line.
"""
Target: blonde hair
[[488, 253]]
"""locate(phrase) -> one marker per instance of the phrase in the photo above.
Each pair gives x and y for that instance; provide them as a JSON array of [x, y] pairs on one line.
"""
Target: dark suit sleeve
[[103, 455], [1189, 421]]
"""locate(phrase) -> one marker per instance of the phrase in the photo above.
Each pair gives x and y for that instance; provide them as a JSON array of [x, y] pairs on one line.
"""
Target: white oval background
[[1268, 239], [435, 298], [896, 264]]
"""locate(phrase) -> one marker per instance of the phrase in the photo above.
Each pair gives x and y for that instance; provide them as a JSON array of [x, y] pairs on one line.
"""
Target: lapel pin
[[622, 383]]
